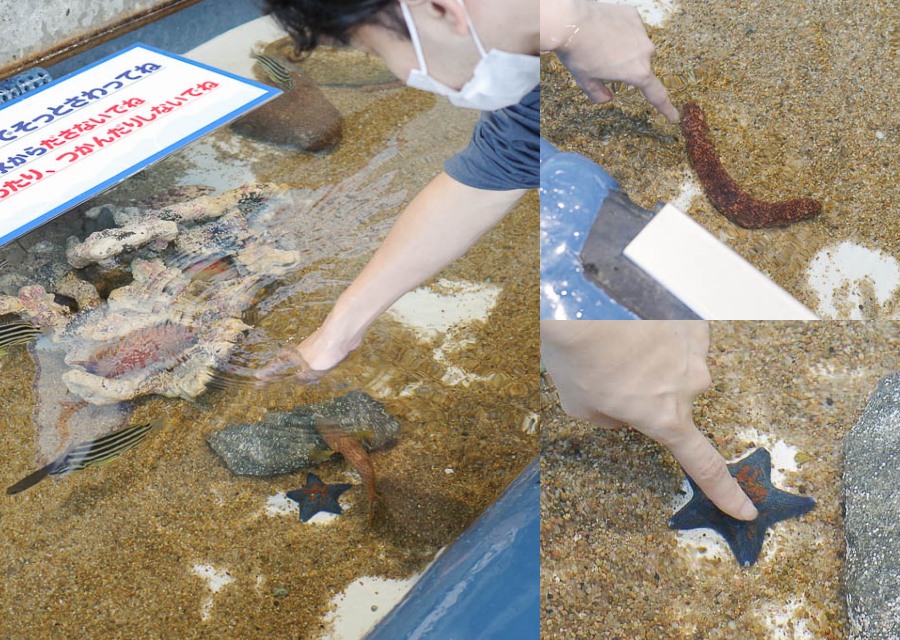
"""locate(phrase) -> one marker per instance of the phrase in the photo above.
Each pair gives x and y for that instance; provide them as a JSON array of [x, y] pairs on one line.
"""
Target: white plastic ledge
[[711, 279]]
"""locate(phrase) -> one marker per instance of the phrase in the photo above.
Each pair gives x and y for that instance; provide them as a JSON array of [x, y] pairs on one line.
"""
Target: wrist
[[341, 332], [322, 351], [561, 23]]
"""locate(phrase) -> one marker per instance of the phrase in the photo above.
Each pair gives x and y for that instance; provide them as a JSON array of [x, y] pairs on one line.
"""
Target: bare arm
[[439, 225], [560, 20]]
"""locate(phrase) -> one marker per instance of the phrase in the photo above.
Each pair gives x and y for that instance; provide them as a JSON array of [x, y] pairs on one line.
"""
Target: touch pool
[[794, 99], [166, 538], [610, 565]]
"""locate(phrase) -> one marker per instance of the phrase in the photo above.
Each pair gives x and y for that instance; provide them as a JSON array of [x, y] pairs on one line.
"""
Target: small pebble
[[880, 135], [448, 471]]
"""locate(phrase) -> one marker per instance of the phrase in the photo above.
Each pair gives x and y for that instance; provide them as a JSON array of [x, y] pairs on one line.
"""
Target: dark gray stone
[[285, 442], [872, 497]]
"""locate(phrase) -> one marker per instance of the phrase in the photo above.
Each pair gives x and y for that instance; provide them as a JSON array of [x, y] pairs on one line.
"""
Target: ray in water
[[224, 380], [92, 453], [242, 370], [212, 268]]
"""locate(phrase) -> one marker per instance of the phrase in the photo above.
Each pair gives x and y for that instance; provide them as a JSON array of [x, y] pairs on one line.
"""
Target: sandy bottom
[[166, 542], [794, 94], [610, 566]]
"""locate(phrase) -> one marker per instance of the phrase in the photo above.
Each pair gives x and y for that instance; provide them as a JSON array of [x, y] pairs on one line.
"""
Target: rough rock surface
[[104, 244], [151, 337], [284, 442], [872, 495]]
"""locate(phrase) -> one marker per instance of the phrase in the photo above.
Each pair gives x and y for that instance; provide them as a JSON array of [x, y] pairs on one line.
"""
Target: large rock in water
[[284, 442], [301, 118], [872, 495]]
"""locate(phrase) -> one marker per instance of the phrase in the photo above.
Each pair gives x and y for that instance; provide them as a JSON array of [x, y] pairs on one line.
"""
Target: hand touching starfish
[[645, 374]]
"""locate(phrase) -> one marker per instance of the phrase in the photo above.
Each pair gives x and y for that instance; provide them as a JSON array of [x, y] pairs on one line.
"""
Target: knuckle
[[710, 469], [644, 74]]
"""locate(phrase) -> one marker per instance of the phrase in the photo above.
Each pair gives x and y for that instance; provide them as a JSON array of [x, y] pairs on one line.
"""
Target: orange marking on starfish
[[750, 480]]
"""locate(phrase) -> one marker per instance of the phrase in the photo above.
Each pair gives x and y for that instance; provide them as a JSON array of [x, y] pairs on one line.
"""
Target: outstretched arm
[[439, 225], [601, 42]]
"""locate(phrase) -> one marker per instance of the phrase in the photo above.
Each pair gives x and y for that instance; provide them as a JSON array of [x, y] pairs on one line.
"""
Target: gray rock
[[284, 442], [102, 245], [872, 496]]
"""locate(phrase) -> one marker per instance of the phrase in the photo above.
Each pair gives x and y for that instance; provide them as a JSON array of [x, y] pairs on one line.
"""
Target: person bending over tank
[[480, 54]]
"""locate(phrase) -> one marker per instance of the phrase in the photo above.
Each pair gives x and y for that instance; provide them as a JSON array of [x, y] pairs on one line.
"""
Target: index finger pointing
[[657, 95], [707, 468]]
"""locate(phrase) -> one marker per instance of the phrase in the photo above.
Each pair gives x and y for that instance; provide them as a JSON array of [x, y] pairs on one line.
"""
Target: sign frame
[[266, 93]]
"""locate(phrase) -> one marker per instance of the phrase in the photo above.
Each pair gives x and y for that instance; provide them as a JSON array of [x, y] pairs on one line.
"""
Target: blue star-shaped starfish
[[317, 496], [753, 473]]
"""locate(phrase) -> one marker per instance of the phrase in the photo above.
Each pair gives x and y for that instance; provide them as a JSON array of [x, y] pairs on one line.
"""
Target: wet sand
[[610, 566], [796, 97], [109, 552]]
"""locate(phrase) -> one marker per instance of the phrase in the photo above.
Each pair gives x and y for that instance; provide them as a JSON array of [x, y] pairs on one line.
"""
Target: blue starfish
[[753, 473], [317, 496]]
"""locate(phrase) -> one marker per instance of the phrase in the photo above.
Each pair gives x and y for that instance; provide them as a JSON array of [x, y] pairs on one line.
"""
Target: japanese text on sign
[[72, 103], [90, 143], [126, 111]]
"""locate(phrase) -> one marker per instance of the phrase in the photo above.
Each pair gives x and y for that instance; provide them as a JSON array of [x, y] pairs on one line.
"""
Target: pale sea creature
[[172, 329]]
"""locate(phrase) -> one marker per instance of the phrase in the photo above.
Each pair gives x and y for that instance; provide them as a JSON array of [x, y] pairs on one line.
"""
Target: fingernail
[[747, 511]]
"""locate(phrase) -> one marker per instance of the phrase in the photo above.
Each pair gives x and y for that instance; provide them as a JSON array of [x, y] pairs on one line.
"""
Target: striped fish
[[276, 71], [17, 332], [92, 453]]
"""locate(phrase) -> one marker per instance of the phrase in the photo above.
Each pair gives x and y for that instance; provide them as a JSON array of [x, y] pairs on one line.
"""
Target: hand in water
[[289, 362], [645, 374], [308, 361], [599, 42]]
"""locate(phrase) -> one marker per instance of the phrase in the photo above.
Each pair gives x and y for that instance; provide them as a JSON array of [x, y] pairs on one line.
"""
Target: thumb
[[286, 362], [707, 468], [656, 94]]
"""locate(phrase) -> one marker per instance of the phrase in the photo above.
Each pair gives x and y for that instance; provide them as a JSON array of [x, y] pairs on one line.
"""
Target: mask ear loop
[[472, 31], [414, 34]]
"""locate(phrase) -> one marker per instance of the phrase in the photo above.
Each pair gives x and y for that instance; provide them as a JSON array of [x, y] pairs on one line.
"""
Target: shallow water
[[794, 97], [612, 568], [166, 538]]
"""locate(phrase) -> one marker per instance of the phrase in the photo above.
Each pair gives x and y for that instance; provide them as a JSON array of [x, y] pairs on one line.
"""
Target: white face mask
[[501, 78]]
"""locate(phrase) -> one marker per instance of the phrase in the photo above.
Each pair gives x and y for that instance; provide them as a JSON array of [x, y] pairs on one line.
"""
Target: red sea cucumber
[[723, 191]]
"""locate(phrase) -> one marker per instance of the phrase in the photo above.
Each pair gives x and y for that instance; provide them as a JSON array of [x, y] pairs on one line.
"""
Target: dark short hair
[[307, 21]]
